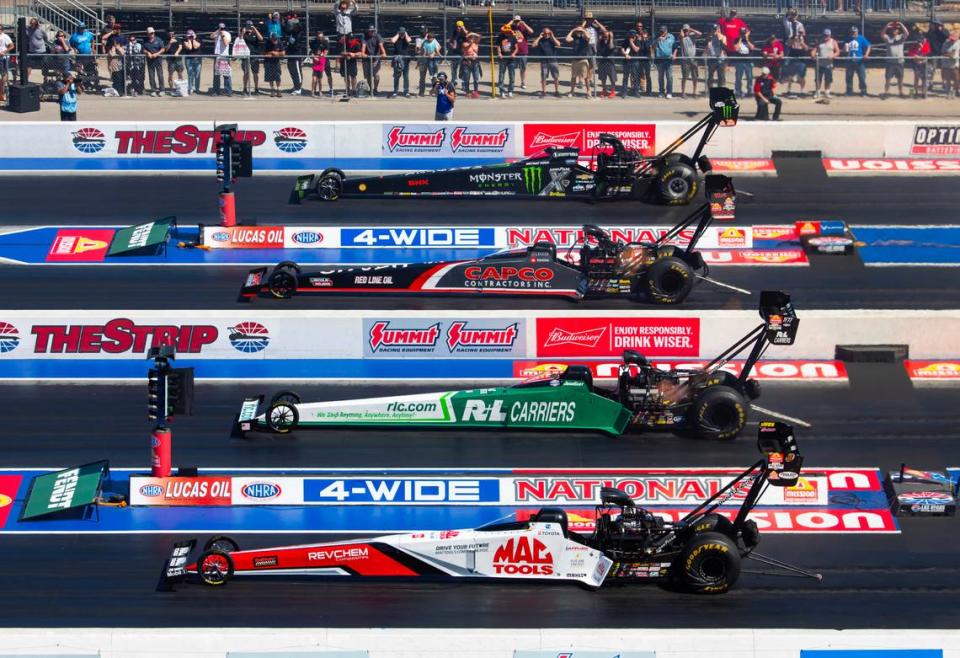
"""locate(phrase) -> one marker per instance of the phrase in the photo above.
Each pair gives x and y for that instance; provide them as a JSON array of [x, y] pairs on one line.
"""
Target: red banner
[[611, 336], [933, 371], [742, 166], [243, 237], [792, 257], [9, 485], [890, 166], [809, 371], [537, 137], [80, 245], [200, 490]]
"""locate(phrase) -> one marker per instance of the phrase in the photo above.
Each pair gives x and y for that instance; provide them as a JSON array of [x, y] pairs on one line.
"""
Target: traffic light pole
[[234, 160], [158, 406]]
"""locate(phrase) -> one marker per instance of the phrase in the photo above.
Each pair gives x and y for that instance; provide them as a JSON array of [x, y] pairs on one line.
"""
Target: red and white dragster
[[701, 552]]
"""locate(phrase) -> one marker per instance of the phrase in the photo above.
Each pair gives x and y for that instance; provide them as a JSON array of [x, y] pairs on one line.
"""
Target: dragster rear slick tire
[[709, 564], [215, 568], [677, 183], [221, 543], [719, 412], [668, 281], [285, 396]]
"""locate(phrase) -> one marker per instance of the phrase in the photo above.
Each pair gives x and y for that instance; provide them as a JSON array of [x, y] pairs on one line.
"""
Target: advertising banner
[[788, 371], [177, 490], [266, 490], [80, 245], [446, 337], [419, 237], [62, 490], [933, 371], [141, 237], [727, 237], [9, 486], [584, 654], [537, 137], [596, 337], [244, 237], [890, 166], [450, 140], [936, 140]]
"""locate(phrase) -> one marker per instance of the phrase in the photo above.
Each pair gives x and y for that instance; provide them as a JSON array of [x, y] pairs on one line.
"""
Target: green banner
[[66, 489], [141, 237]]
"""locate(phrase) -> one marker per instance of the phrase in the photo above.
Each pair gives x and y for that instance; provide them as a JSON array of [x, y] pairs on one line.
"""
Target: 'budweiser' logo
[[398, 138], [460, 138], [542, 139], [585, 338]]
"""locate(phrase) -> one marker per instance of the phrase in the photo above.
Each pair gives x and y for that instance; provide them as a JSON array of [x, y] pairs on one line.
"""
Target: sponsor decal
[[508, 276], [526, 556], [418, 237], [261, 490], [118, 336], [458, 141], [290, 140], [460, 335], [568, 236], [401, 491], [306, 237], [400, 139], [742, 165], [249, 337], [89, 140], [933, 370], [321, 282], [246, 237], [9, 485], [928, 497], [793, 257], [785, 232], [80, 245], [266, 561], [488, 180], [64, 488], [732, 237], [764, 370], [805, 490], [9, 337], [182, 140], [890, 165], [533, 179], [339, 554], [936, 140], [586, 136], [445, 337], [382, 335], [598, 337], [462, 139], [185, 491], [254, 279]]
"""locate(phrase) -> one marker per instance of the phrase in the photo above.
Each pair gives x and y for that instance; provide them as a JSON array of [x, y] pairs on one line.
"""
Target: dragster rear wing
[[252, 284], [175, 567], [724, 111], [246, 420], [302, 188]]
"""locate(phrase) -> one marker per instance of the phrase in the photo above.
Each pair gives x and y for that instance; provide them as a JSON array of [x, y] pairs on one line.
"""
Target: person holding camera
[[173, 49], [446, 94], [521, 31], [222, 67], [136, 66], [581, 70], [470, 64], [402, 46], [373, 54], [248, 48], [191, 50], [549, 46], [688, 57], [69, 91], [506, 58], [894, 34]]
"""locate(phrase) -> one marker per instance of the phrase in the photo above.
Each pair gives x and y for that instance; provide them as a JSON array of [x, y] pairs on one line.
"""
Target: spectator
[[765, 93], [250, 64], [743, 50], [114, 45], [373, 52], [191, 49], [402, 46], [732, 27], [606, 67], [153, 49], [222, 67], [521, 32], [937, 36], [549, 46], [455, 46], [343, 14], [82, 41], [826, 52], [296, 48], [894, 34], [430, 52], [506, 58], [69, 91], [796, 65], [857, 49], [470, 64], [322, 44], [772, 56], [37, 44], [136, 66], [791, 25], [646, 52], [349, 59], [108, 29], [918, 53], [61, 50], [320, 67], [951, 64], [446, 93], [273, 53], [274, 26], [581, 70], [6, 47], [631, 50], [688, 58], [173, 51], [664, 52], [716, 60]]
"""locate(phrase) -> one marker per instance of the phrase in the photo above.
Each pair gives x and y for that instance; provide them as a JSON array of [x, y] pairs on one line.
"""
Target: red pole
[[228, 209], [161, 449]]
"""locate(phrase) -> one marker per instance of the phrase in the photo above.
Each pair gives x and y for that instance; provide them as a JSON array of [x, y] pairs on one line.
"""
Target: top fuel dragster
[[615, 171]]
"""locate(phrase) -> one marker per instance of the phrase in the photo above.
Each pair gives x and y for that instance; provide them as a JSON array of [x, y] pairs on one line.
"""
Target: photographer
[[581, 69], [69, 91], [716, 59], [894, 34], [191, 48], [688, 57], [506, 56], [250, 63], [402, 51], [446, 95], [549, 68], [320, 47], [521, 32]]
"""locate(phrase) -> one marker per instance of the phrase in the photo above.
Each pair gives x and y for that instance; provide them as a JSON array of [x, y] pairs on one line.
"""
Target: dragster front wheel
[[215, 567], [282, 417], [330, 186]]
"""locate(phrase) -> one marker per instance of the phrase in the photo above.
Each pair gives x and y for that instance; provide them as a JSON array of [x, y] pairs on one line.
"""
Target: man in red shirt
[[765, 92], [731, 29], [773, 56]]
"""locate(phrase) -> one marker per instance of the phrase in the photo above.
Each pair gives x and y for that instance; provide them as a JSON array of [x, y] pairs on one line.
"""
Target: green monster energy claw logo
[[533, 179]]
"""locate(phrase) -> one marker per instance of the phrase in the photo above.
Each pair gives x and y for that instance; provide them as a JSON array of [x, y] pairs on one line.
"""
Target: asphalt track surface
[[909, 580]]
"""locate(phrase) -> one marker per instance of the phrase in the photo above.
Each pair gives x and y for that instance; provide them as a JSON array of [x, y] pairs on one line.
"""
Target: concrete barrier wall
[[298, 146]]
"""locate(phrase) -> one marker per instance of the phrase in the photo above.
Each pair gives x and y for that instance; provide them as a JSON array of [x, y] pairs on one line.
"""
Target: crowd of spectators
[[269, 57]]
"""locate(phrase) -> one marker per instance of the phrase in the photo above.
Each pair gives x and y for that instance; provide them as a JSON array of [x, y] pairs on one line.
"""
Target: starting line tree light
[[234, 160], [169, 392]]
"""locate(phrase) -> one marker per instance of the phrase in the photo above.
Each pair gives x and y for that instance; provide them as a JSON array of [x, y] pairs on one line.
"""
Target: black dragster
[[615, 172], [596, 267]]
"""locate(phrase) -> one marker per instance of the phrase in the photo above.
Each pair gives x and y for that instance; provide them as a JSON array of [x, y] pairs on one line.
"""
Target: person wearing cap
[[894, 34], [373, 54], [153, 48], [765, 93], [548, 45], [351, 55], [69, 92], [296, 46], [136, 65], [446, 93], [826, 52], [222, 66], [772, 55], [732, 27], [630, 49], [274, 26], [584, 52], [250, 53], [688, 57], [173, 49], [743, 50], [191, 51], [919, 53], [664, 52], [82, 41], [857, 50], [401, 53], [455, 46], [273, 53], [470, 64], [321, 45], [521, 34], [429, 52], [343, 13]]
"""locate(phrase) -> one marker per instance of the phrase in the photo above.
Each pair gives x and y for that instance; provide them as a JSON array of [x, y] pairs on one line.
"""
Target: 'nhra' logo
[[261, 490], [290, 140], [429, 141], [221, 236], [461, 139], [381, 335], [249, 337], [9, 337], [307, 237], [89, 140], [458, 335], [151, 490], [525, 556]]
